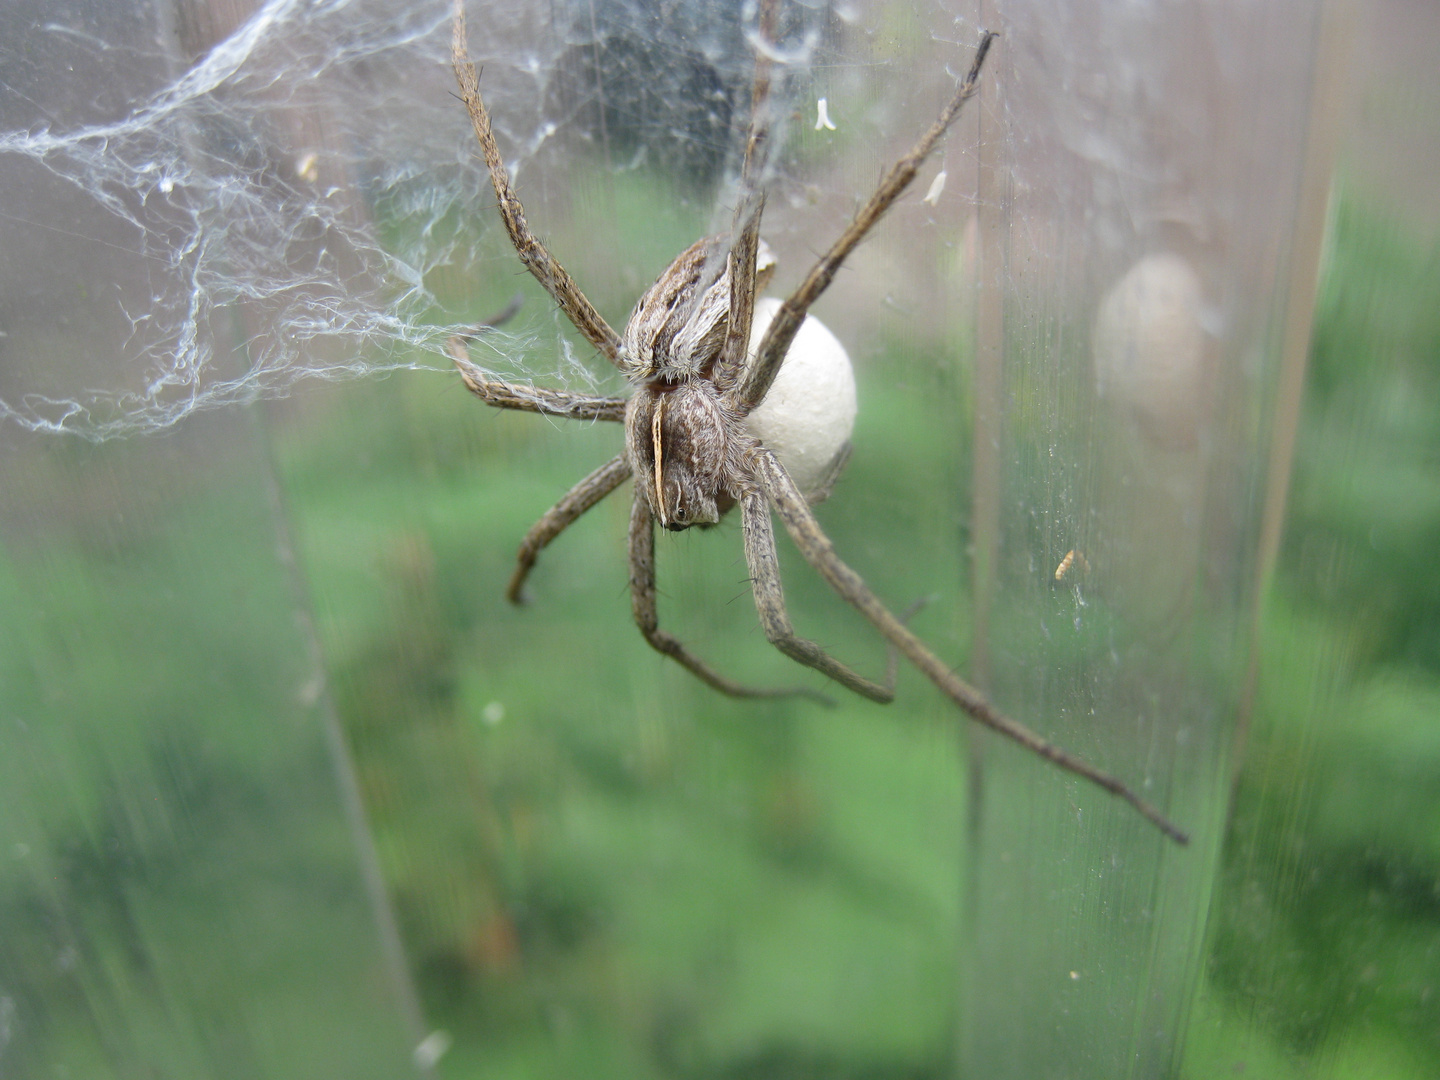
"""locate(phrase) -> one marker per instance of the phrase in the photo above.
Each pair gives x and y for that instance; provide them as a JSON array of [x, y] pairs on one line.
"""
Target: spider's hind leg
[[815, 546], [642, 599]]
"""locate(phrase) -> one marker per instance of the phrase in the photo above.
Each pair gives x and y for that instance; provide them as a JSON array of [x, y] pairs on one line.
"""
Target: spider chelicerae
[[686, 351]]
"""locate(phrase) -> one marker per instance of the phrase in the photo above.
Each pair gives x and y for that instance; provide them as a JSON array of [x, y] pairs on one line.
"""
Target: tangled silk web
[[268, 199]]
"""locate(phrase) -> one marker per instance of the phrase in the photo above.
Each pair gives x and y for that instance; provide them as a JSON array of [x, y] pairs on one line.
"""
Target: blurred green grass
[[178, 892], [1324, 943]]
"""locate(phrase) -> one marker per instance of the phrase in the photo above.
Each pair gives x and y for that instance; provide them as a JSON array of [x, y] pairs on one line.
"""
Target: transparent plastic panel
[[288, 789], [181, 891], [187, 885], [1323, 942], [1137, 222]]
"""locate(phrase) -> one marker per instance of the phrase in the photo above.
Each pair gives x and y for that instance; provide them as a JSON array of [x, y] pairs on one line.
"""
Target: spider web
[[200, 214]]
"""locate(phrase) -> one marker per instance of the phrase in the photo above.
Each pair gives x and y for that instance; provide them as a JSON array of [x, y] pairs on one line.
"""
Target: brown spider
[[685, 350]]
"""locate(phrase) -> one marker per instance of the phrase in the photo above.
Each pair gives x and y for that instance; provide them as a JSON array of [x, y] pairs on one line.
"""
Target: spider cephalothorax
[[697, 377], [685, 448]]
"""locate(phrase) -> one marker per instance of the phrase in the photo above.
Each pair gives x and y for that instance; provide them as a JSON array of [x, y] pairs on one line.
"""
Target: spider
[[685, 351]]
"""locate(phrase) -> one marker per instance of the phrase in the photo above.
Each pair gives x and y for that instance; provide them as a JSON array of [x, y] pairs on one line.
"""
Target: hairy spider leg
[[761, 371], [526, 398], [580, 498], [764, 565], [561, 516], [642, 604], [745, 232], [537, 259], [815, 546]]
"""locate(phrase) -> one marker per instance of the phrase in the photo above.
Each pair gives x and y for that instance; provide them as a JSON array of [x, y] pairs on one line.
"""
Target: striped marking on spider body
[[656, 419]]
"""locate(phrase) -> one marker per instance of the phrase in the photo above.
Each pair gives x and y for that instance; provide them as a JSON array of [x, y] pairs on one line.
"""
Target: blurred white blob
[[432, 1048], [936, 187], [1150, 347], [822, 116]]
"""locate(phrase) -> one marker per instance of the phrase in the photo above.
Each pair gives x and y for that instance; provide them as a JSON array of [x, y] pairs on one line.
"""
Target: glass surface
[[1143, 227], [286, 787]]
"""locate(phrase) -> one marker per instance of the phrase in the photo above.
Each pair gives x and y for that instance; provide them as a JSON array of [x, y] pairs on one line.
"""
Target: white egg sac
[[810, 411]]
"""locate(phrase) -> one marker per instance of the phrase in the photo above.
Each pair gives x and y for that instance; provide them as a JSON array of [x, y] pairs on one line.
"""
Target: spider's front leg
[[765, 362], [642, 602], [536, 257], [775, 620]]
